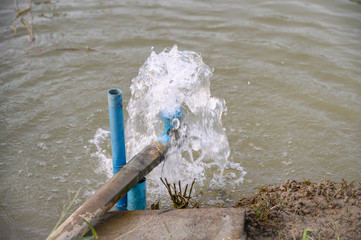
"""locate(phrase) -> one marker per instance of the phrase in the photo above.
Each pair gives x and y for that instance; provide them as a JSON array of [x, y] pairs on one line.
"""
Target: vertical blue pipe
[[117, 136], [137, 196]]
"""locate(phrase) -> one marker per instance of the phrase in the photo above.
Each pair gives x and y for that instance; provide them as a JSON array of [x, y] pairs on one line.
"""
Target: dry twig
[[28, 24], [41, 51], [180, 200], [170, 234]]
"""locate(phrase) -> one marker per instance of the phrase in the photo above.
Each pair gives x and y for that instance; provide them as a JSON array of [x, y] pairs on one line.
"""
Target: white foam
[[167, 80], [101, 141], [179, 78]]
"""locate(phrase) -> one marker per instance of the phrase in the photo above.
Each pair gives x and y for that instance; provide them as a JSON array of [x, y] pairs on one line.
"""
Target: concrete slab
[[201, 223]]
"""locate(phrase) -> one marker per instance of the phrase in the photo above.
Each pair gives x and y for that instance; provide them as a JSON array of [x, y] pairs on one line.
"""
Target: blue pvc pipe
[[117, 136], [137, 196], [168, 117]]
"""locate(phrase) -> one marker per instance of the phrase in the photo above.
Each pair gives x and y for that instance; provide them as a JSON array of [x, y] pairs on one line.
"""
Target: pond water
[[289, 73]]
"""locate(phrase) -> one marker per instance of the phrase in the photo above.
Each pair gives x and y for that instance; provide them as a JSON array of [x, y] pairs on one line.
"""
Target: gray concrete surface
[[193, 224]]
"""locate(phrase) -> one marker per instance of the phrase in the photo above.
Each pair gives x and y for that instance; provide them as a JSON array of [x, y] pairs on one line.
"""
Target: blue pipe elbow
[[171, 122]]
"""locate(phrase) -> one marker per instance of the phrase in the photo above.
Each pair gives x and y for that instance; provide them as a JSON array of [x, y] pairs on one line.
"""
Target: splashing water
[[101, 141], [167, 80]]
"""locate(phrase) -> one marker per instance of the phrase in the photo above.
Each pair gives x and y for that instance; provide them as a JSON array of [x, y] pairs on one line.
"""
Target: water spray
[[136, 197]]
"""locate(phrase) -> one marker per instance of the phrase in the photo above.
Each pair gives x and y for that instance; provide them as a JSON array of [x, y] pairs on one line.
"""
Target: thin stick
[[170, 234], [68, 208], [167, 186], [16, 5], [87, 48], [185, 191], [175, 190], [134, 229], [21, 12], [17, 11], [42, 51], [14, 28], [30, 19], [28, 28], [190, 191], [187, 200]]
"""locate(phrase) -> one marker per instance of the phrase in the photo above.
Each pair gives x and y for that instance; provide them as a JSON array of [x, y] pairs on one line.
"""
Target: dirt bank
[[304, 210]]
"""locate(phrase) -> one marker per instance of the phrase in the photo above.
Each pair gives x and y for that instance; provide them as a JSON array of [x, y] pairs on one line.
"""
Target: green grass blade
[[95, 235], [305, 234]]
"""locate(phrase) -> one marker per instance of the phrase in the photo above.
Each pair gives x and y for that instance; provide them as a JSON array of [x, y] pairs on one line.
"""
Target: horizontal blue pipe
[[117, 136]]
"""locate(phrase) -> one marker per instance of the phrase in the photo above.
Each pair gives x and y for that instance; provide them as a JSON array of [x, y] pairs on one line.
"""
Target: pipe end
[[115, 91]]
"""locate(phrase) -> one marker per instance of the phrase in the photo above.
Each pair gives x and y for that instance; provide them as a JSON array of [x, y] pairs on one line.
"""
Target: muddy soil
[[304, 210]]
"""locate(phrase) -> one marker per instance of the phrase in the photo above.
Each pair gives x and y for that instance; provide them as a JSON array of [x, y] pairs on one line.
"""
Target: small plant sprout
[[305, 235]]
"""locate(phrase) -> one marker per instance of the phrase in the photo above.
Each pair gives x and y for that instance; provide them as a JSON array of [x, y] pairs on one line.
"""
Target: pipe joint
[[172, 122]]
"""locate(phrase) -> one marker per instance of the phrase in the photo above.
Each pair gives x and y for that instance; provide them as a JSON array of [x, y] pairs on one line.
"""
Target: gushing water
[[166, 81]]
